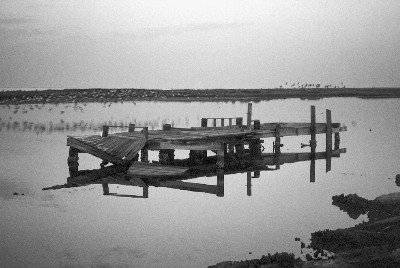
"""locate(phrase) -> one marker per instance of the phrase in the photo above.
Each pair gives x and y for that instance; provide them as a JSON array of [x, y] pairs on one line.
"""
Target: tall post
[[328, 140], [230, 122], [313, 144], [131, 128], [214, 122], [73, 164], [249, 112], [277, 146], [222, 122], [248, 183], [105, 131]]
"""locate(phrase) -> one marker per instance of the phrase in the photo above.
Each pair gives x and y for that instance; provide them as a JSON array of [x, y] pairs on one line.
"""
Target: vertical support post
[[277, 146], [239, 121], [214, 122], [131, 128], [313, 144], [249, 112], [73, 164], [230, 122], [204, 122], [222, 122], [105, 131], [239, 148], [166, 156], [255, 147], [248, 183], [328, 140], [144, 154], [221, 157], [257, 125], [231, 148], [106, 190], [145, 191]]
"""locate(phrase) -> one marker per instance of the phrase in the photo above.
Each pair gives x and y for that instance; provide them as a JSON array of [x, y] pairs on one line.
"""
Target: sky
[[198, 44]]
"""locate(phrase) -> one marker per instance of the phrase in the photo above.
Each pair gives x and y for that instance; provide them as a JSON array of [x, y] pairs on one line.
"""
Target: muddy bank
[[227, 95], [375, 243]]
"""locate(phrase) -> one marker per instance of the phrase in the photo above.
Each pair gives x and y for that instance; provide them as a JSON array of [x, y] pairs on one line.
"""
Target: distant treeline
[[187, 95]]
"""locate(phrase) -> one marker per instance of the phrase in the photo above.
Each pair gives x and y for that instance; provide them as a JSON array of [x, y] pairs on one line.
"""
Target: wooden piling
[[106, 190], [221, 157], [257, 125], [222, 122], [328, 140], [230, 122], [131, 128], [239, 121], [145, 191], [313, 144], [144, 152], [73, 161], [249, 112], [248, 184], [204, 122], [166, 156], [105, 131], [214, 122]]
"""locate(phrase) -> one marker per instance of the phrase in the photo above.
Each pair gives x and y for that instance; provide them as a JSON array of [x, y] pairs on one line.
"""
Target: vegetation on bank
[[129, 94], [375, 243]]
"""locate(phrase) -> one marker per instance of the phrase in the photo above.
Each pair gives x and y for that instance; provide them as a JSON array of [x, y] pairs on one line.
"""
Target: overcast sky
[[198, 44]]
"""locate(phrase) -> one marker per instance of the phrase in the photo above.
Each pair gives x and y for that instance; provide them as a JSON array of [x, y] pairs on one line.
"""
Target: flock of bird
[[310, 85]]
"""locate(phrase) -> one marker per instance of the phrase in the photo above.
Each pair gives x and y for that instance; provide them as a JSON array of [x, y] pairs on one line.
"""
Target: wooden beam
[[189, 186], [93, 151], [181, 146]]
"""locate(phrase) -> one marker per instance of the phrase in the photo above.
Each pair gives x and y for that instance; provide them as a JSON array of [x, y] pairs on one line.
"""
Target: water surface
[[172, 228]]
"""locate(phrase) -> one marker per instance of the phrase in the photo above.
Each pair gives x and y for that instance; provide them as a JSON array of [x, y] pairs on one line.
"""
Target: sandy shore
[[214, 95]]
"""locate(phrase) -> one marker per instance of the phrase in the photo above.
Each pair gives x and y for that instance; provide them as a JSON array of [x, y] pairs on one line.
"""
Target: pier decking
[[236, 147]]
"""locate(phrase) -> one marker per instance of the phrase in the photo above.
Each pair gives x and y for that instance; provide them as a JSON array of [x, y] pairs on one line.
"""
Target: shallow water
[[173, 228]]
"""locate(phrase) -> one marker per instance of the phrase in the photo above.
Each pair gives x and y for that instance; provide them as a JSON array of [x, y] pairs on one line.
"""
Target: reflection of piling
[[220, 184], [328, 140], [313, 144], [249, 183], [337, 140], [145, 191]]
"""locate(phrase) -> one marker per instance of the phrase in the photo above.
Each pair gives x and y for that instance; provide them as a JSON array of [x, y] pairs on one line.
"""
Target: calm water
[[172, 228]]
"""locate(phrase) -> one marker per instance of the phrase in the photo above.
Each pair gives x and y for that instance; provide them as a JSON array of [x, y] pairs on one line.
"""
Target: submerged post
[[249, 112], [313, 144], [106, 190], [328, 140], [145, 191]]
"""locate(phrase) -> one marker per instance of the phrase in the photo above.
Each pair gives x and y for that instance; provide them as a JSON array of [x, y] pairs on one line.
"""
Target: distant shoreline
[[187, 95]]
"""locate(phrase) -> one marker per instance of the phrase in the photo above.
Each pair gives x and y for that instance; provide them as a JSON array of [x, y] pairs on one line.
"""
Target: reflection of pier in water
[[237, 149]]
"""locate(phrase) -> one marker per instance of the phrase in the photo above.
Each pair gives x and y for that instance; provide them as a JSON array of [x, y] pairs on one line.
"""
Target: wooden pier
[[235, 147]]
